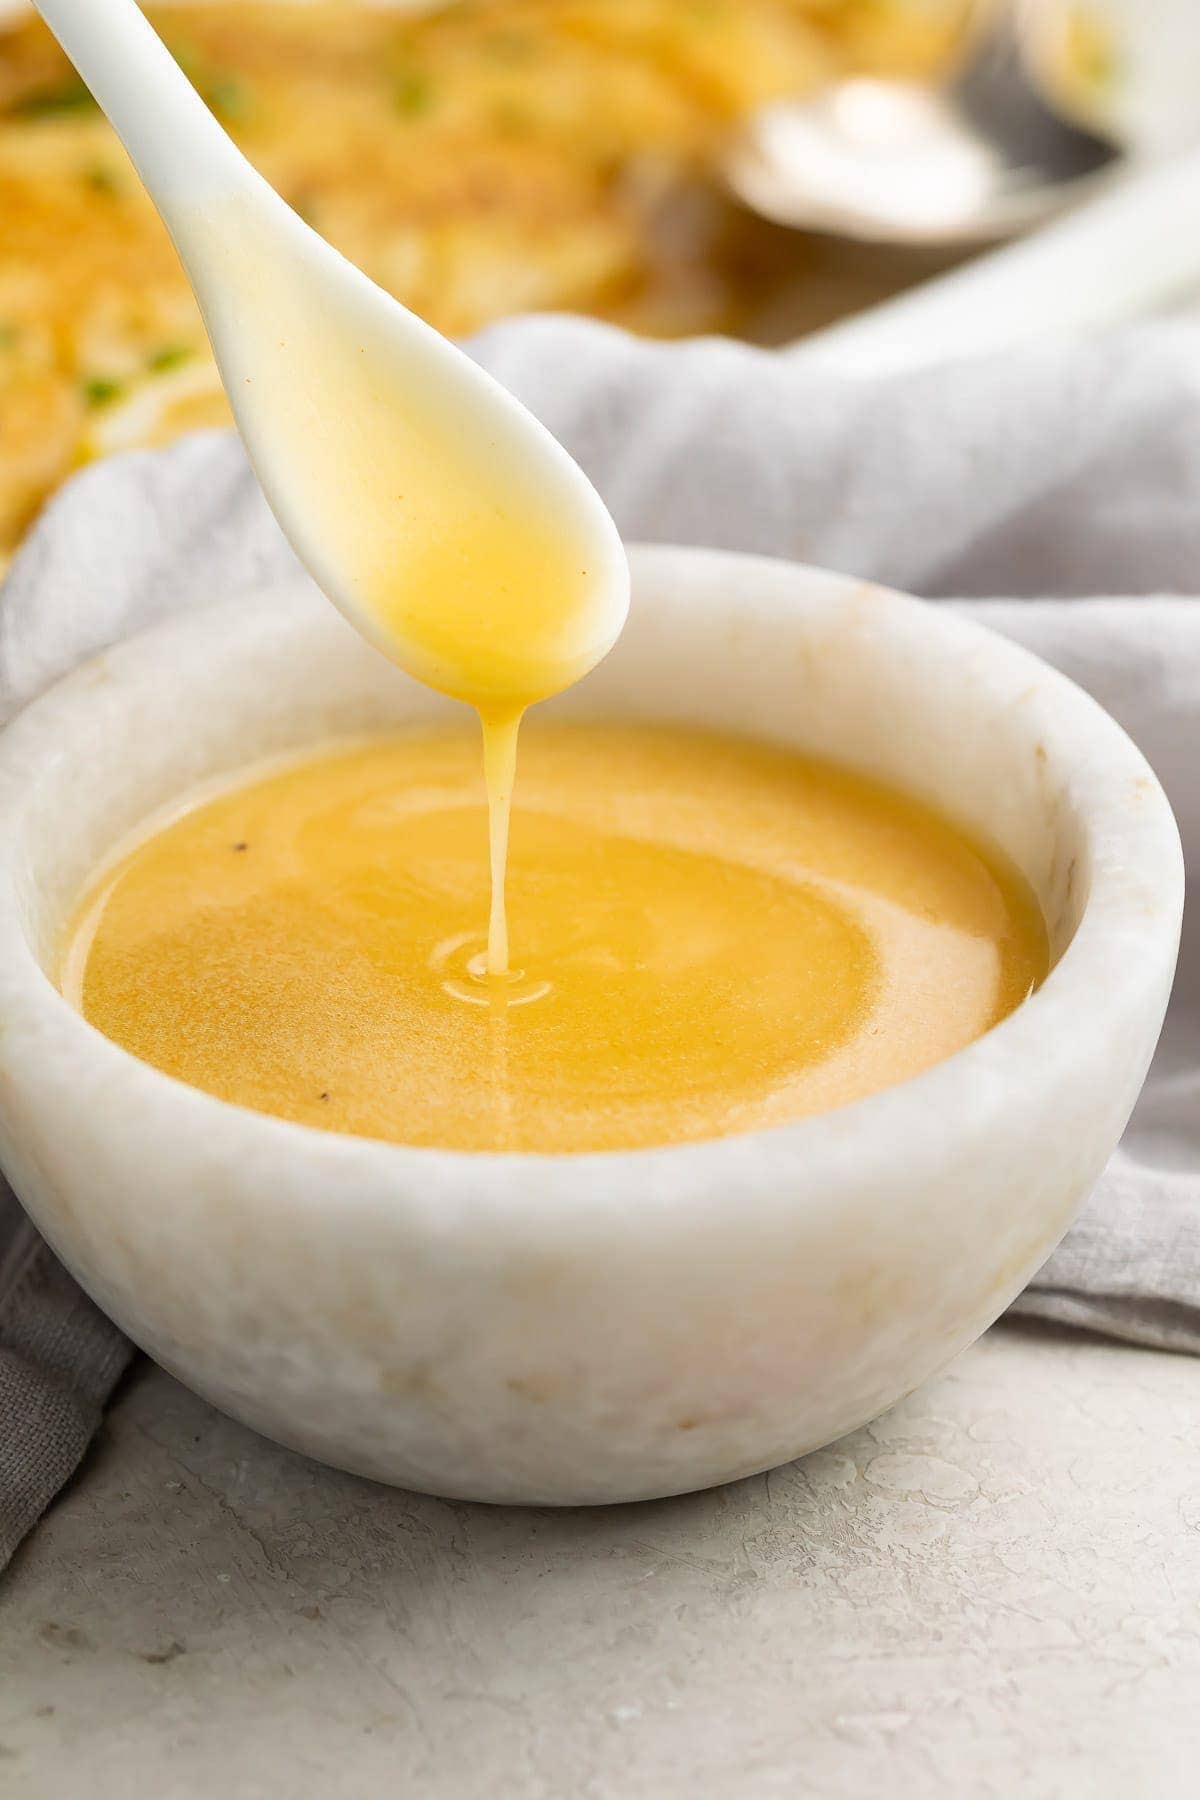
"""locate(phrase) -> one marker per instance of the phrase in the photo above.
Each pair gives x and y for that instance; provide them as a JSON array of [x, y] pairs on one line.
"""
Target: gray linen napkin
[[1064, 473]]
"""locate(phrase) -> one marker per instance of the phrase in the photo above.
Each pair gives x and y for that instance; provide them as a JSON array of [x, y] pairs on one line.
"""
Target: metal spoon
[[906, 162]]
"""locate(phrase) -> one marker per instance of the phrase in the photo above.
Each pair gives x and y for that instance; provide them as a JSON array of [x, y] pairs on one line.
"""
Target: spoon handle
[[180, 151], [1129, 252]]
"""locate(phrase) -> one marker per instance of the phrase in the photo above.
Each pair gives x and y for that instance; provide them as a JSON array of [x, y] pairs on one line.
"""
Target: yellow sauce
[[711, 935]]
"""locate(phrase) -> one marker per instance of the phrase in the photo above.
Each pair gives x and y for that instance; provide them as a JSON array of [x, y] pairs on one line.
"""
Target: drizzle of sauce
[[458, 537], [501, 728]]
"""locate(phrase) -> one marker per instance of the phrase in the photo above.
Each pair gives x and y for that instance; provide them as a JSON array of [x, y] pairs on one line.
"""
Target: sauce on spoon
[[456, 534]]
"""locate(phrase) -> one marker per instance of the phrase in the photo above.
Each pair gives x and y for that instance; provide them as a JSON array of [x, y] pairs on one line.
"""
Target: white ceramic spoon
[[430, 506]]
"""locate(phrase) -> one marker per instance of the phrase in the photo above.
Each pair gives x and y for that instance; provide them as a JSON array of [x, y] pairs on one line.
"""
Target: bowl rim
[[1136, 899]]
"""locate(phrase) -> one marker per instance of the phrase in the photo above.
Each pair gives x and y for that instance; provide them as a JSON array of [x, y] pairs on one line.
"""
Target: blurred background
[[753, 167]]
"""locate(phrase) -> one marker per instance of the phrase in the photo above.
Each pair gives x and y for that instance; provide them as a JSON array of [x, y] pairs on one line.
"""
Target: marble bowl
[[606, 1326]]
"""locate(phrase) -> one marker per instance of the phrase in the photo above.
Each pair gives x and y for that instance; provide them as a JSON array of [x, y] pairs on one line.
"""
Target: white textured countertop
[[994, 1590]]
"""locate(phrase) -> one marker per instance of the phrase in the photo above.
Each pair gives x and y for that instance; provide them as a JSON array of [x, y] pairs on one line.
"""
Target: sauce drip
[[501, 728], [714, 935], [453, 532]]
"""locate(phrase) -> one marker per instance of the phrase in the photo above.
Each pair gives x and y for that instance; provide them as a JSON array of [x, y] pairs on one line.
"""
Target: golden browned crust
[[490, 157]]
